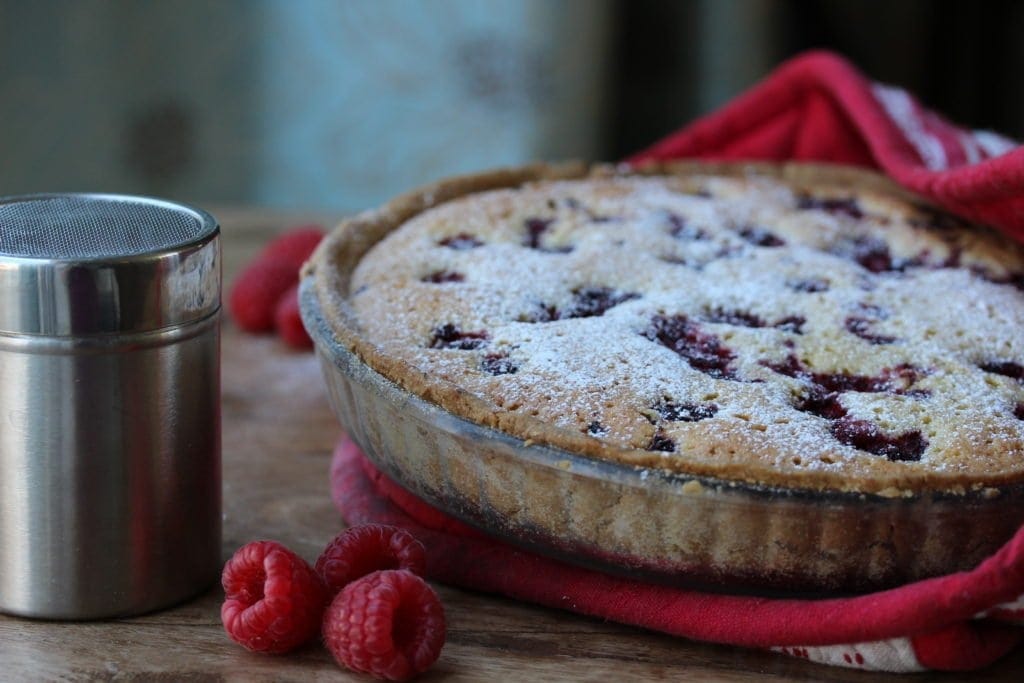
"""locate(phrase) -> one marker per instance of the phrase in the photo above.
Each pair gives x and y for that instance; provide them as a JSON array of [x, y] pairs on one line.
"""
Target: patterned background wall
[[304, 103]]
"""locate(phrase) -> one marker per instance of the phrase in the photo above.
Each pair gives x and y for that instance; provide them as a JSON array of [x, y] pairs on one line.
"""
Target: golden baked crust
[[798, 326]]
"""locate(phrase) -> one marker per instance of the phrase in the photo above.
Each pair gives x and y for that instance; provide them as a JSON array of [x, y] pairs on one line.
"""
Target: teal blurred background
[[340, 104]]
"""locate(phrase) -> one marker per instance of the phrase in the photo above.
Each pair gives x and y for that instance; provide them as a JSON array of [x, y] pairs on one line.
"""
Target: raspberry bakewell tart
[[786, 377]]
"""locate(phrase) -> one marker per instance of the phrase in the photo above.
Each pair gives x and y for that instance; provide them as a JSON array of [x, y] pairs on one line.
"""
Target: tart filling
[[746, 326]]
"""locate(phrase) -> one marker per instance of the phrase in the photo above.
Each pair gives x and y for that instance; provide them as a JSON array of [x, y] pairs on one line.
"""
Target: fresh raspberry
[[257, 290], [274, 600], [363, 549], [389, 624], [288, 321], [294, 246]]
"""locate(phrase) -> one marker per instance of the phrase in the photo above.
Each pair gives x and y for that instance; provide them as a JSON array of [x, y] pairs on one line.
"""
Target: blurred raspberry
[[389, 624], [363, 549], [288, 321], [257, 291], [274, 601], [294, 246], [254, 296]]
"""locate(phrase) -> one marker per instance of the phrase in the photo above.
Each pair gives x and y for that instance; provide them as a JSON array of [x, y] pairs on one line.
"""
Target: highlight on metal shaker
[[110, 488]]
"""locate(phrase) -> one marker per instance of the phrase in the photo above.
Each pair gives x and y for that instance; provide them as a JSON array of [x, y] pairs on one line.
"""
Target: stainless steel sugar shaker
[[109, 404]]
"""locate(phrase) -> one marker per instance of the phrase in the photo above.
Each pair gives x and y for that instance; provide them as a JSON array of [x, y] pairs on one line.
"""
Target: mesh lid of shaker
[[84, 264]]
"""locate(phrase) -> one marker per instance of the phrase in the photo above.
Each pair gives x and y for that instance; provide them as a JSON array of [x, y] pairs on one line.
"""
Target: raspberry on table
[[256, 292], [364, 549], [389, 624], [273, 600], [288, 321], [294, 246]]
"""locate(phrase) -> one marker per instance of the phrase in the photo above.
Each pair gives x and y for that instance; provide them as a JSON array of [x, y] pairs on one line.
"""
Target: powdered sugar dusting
[[596, 301]]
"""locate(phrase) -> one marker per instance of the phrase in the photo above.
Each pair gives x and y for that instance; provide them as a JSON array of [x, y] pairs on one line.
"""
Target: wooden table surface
[[278, 434]]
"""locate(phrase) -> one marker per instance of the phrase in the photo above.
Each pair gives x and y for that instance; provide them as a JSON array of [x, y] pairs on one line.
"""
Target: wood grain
[[278, 434]]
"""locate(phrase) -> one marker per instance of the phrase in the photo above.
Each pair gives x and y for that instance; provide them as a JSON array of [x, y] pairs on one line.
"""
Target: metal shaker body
[[110, 488]]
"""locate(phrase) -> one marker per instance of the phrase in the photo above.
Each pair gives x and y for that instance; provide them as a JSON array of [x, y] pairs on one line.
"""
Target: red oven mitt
[[953, 623]]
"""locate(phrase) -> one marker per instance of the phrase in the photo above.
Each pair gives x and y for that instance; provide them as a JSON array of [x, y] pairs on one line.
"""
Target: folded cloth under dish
[[957, 622]]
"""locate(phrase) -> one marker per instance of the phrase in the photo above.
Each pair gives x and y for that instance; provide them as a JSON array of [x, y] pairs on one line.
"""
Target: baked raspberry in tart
[[745, 373]]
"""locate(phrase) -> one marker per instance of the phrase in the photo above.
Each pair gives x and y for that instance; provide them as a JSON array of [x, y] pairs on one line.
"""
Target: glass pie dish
[[674, 527]]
